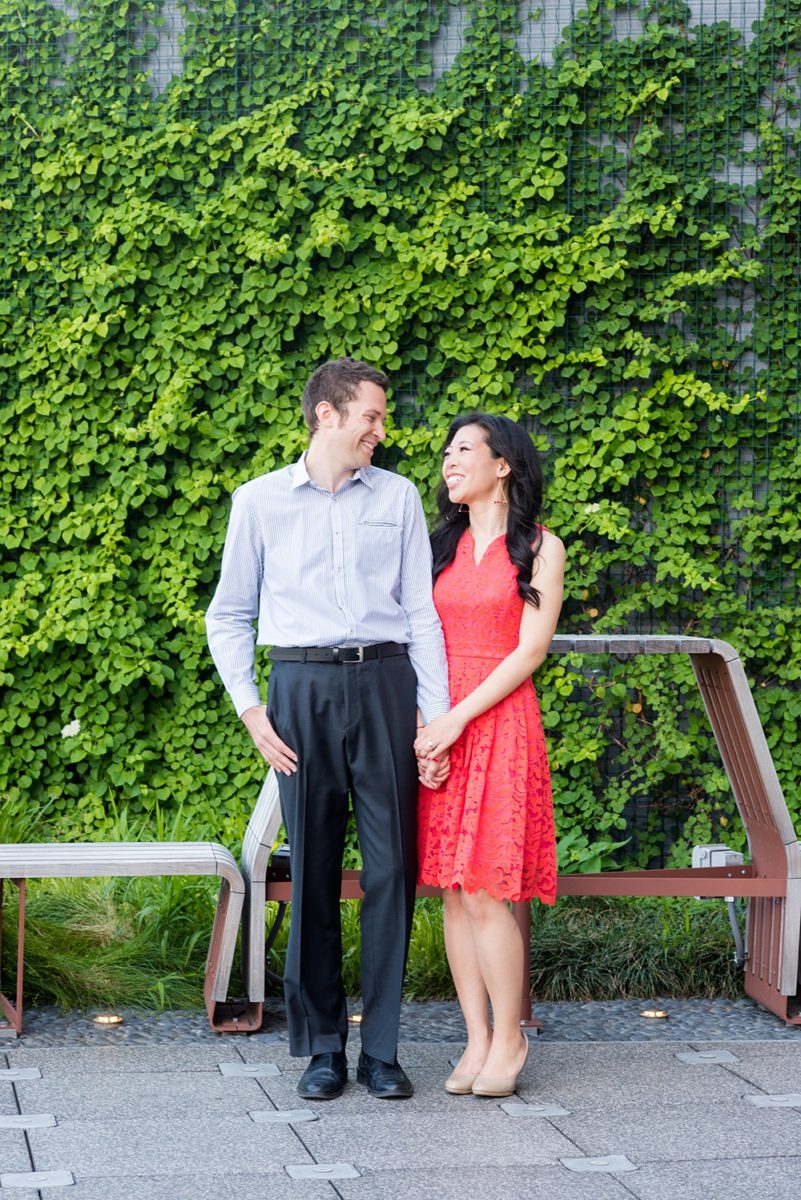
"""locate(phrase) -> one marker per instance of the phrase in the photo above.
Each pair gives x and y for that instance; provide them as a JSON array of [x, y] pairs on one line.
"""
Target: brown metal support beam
[[685, 881], [13, 1011]]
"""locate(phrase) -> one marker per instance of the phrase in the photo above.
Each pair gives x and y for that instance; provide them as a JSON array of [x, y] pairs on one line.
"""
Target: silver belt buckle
[[348, 654]]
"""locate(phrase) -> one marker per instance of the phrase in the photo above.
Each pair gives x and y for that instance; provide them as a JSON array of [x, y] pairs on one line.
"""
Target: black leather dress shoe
[[325, 1077], [385, 1081]]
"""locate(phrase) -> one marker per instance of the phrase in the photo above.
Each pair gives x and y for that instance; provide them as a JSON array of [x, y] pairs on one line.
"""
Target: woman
[[486, 836]]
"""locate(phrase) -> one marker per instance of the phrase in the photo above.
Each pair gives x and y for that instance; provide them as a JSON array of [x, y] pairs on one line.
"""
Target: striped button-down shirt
[[317, 568]]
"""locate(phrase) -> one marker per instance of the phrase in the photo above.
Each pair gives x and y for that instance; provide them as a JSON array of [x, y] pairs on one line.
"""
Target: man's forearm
[[232, 646]]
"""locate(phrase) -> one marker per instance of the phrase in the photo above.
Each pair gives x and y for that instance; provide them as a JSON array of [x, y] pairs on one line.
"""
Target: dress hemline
[[544, 898]]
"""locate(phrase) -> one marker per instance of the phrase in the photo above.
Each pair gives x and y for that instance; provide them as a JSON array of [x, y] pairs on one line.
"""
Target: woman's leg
[[499, 955], [473, 998]]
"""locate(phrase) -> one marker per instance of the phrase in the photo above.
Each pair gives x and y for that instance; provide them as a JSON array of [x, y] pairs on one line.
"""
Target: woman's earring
[[500, 496], [463, 508]]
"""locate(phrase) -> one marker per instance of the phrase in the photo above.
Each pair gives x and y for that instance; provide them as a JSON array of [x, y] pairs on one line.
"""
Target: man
[[332, 556]]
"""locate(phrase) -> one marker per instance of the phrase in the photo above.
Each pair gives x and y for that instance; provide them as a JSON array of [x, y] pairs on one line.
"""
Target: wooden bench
[[40, 860], [771, 880]]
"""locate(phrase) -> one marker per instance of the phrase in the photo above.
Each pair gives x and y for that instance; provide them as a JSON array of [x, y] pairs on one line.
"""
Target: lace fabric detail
[[490, 826]]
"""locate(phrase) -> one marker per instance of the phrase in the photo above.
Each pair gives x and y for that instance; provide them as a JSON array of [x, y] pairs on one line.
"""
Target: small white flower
[[71, 730], [591, 508]]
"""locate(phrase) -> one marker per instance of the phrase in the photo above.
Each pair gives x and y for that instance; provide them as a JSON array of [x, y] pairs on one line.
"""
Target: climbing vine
[[600, 240]]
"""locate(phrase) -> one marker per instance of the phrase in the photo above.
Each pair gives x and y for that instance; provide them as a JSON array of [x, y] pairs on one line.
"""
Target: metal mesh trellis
[[226, 57]]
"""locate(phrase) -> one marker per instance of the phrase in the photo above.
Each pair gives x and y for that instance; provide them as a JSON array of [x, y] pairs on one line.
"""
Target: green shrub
[[143, 942]]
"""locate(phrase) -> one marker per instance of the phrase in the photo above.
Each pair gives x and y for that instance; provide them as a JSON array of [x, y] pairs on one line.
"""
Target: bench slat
[[65, 860]]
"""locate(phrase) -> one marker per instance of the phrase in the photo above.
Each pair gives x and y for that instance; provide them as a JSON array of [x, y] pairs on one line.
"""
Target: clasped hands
[[431, 748]]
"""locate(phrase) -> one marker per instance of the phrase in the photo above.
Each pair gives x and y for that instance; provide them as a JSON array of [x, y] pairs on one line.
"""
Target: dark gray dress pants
[[353, 727]]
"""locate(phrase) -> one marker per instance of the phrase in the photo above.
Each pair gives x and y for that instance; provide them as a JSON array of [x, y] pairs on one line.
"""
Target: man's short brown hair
[[337, 381]]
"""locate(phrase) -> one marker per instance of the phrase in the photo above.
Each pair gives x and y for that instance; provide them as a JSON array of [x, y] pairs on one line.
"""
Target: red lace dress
[[490, 825]]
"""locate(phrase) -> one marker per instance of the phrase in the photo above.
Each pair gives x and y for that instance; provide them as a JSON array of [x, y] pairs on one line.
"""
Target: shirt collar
[[300, 475]]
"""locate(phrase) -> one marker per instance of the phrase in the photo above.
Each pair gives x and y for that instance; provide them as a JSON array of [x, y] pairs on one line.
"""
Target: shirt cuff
[[244, 697], [434, 710]]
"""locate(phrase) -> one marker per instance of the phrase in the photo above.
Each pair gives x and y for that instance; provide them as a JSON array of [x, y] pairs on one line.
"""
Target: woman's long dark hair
[[508, 440]]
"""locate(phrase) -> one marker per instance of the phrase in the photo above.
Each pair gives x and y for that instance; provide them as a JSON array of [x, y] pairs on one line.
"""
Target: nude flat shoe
[[486, 1086], [460, 1085]]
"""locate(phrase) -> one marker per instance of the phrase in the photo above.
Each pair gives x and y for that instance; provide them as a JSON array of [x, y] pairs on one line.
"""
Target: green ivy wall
[[583, 215]]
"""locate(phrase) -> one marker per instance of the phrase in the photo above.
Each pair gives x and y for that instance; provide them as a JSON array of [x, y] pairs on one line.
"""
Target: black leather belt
[[336, 654]]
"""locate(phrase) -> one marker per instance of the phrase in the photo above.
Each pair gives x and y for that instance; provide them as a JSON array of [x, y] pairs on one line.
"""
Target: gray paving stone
[[605, 1073], [397, 1138], [99, 1059], [771, 1066], [278, 1053], [14, 1151], [224, 1186], [282, 1091], [733, 1178], [683, 1130], [167, 1147], [138, 1094], [433, 1056], [14, 1075], [482, 1183], [534, 1110], [8, 1105]]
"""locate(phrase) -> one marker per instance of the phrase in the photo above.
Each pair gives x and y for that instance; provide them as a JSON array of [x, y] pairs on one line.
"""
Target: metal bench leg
[[522, 914], [12, 1027], [227, 1016], [272, 934]]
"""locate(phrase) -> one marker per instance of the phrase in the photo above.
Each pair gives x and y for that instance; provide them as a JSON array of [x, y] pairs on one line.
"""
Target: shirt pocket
[[379, 548]]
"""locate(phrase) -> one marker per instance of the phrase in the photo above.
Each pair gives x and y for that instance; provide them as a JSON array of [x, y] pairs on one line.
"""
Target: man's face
[[354, 435]]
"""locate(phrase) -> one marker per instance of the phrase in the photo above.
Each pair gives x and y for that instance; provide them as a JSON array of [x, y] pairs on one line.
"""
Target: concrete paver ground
[[163, 1122]]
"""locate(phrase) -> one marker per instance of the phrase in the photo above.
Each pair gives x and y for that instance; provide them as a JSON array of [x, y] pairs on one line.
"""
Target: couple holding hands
[[416, 704]]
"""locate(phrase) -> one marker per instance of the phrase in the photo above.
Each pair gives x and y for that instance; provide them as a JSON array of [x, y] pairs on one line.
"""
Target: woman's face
[[470, 471]]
